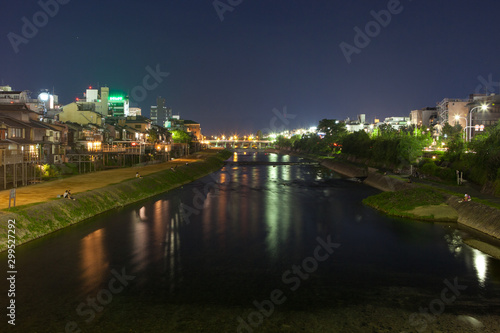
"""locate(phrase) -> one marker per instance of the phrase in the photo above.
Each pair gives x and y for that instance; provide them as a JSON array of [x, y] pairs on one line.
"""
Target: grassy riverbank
[[416, 203], [36, 220]]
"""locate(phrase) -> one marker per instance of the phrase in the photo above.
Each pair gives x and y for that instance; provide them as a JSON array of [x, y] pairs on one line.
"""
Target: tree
[[152, 135], [180, 136], [452, 131], [357, 144], [456, 148], [410, 148], [334, 132], [387, 131], [332, 128], [487, 151]]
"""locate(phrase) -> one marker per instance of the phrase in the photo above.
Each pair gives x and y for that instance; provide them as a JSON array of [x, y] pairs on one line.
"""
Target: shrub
[[429, 168]]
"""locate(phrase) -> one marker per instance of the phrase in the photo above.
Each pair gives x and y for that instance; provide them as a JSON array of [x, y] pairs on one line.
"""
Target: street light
[[483, 107]]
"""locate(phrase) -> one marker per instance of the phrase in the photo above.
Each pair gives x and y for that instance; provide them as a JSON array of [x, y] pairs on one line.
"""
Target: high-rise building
[[160, 114], [118, 105], [134, 111]]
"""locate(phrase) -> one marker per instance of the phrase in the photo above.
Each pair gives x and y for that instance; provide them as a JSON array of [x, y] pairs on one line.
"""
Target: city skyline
[[230, 65]]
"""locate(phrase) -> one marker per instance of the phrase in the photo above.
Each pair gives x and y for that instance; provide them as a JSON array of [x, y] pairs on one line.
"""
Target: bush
[[429, 168], [50, 171], [446, 174]]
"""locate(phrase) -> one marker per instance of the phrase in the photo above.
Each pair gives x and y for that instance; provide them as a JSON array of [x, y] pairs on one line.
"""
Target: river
[[286, 248]]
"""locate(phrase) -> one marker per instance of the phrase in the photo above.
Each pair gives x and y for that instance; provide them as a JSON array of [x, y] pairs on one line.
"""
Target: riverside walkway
[[49, 190]]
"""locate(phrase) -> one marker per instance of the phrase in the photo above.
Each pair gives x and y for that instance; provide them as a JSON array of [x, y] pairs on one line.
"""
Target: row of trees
[[385, 145], [479, 159]]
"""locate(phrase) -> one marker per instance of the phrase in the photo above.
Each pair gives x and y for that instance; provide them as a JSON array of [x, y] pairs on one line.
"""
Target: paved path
[[46, 191], [471, 189]]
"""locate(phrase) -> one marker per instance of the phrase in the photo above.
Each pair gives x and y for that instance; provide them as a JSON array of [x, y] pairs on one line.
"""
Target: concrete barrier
[[477, 216], [345, 169]]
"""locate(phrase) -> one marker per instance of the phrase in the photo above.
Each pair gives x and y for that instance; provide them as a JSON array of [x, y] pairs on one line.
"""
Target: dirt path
[[51, 189]]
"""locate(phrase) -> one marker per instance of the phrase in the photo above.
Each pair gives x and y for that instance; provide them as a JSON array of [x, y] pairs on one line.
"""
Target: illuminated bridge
[[256, 144], [270, 163]]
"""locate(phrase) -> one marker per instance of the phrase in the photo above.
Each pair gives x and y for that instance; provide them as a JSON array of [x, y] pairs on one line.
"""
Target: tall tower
[[104, 101]]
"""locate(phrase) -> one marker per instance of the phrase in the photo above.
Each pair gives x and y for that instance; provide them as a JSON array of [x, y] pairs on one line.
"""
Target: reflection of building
[[424, 117]]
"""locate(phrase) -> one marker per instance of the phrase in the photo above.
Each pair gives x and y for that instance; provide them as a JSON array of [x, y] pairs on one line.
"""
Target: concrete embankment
[[41, 219], [477, 216], [345, 169]]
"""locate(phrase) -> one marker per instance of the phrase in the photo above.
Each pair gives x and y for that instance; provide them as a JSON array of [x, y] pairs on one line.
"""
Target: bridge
[[256, 144], [270, 163]]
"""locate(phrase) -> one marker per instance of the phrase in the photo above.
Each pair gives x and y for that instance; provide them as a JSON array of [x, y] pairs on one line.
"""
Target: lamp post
[[483, 107]]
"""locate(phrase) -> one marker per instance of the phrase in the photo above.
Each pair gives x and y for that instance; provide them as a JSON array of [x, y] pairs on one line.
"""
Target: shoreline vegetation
[[415, 203], [39, 219]]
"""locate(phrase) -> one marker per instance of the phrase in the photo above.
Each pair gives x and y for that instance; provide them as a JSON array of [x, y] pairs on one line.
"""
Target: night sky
[[230, 74]]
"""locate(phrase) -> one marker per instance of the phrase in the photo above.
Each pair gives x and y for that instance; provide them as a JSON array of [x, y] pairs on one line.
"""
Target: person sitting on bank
[[137, 175], [67, 195], [467, 197]]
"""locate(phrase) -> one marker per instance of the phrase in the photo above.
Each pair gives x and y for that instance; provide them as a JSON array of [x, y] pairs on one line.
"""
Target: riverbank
[[417, 201], [39, 219]]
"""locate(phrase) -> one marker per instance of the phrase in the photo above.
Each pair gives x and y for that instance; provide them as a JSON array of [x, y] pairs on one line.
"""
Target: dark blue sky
[[229, 75]]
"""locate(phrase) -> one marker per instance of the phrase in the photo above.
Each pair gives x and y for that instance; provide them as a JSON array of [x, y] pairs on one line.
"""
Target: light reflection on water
[[478, 260], [94, 259], [481, 266], [256, 223]]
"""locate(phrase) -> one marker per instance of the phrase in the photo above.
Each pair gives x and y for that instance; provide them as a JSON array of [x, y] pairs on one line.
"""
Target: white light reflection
[[142, 214], [480, 265], [172, 258]]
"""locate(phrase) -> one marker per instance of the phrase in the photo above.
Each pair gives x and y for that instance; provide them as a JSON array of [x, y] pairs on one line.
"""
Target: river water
[[287, 248]]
